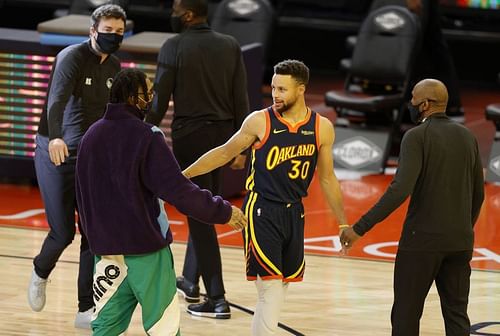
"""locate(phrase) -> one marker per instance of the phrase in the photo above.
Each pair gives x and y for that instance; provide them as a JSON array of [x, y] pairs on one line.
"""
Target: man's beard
[[285, 106]]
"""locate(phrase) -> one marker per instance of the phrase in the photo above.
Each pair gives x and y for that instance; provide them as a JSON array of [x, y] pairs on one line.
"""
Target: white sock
[[267, 311]]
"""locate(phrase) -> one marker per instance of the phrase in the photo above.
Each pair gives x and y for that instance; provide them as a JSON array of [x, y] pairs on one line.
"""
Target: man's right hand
[[238, 220], [58, 151]]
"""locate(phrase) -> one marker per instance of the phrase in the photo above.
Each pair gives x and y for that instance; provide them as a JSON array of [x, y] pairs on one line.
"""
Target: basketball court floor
[[340, 295]]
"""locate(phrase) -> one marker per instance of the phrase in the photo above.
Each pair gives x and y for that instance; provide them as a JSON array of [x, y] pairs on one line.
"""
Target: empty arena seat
[[377, 80], [249, 21], [493, 114], [345, 63]]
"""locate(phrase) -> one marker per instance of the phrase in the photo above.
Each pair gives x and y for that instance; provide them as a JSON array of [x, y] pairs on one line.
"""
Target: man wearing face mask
[[204, 71], [124, 172], [76, 97], [440, 167]]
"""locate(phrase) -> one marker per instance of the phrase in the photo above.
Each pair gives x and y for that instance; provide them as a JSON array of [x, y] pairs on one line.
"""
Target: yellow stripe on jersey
[[293, 276], [254, 239], [250, 182], [248, 213]]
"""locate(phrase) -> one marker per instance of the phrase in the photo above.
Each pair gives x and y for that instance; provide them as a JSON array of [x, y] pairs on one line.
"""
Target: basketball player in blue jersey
[[289, 141]]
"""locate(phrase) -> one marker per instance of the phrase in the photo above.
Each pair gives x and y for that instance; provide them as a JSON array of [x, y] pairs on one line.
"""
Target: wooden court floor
[[340, 296]]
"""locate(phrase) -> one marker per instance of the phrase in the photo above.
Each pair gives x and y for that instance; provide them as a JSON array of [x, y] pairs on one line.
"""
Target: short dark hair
[[107, 11], [198, 7], [297, 69], [126, 84]]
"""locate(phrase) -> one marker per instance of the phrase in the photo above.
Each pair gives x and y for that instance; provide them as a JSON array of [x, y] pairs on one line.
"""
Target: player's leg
[[58, 193], [263, 250], [271, 296], [272, 293], [453, 284], [115, 301], [152, 278], [293, 251], [187, 284], [206, 259], [85, 293], [414, 272]]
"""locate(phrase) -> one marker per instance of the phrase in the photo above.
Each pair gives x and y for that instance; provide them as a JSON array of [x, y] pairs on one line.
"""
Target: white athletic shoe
[[83, 319], [36, 292]]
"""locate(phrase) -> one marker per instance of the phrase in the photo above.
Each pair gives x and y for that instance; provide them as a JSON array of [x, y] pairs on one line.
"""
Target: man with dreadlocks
[[124, 172]]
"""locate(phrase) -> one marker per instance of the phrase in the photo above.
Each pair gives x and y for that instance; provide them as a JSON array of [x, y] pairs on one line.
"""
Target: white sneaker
[[83, 319], [36, 292]]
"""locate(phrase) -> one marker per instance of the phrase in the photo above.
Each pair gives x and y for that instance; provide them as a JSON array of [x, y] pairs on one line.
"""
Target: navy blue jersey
[[283, 163]]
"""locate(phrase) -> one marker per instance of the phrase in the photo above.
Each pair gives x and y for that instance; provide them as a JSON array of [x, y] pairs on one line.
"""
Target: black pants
[[435, 59], [57, 187], [203, 254], [414, 273]]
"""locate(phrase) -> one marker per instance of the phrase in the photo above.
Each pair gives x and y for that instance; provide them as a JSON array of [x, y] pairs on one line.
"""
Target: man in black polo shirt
[[440, 167], [78, 91], [204, 71]]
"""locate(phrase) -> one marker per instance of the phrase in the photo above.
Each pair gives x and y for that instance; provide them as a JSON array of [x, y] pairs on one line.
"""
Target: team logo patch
[[390, 21], [357, 152], [109, 82], [243, 7]]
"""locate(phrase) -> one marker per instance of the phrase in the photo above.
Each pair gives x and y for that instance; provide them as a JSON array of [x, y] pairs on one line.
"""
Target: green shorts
[[122, 281]]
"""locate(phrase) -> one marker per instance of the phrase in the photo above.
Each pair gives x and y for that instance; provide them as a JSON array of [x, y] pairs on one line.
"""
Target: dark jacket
[[124, 165], [440, 167], [77, 94], [204, 71]]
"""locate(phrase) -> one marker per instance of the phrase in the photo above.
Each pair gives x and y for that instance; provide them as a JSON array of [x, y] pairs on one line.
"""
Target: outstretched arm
[[241, 140], [327, 179], [409, 166]]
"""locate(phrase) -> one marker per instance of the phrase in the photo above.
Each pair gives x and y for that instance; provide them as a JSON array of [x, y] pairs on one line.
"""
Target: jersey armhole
[[268, 129]]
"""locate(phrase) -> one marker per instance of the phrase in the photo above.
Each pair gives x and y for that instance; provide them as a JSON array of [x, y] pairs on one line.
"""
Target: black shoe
[[189, 290], [218, 309]]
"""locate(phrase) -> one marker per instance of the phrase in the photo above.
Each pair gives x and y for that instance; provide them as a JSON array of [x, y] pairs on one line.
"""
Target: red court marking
[[321, 227]]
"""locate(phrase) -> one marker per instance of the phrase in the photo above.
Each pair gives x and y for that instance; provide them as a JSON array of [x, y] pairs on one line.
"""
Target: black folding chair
[[372, 102], [249, 21]]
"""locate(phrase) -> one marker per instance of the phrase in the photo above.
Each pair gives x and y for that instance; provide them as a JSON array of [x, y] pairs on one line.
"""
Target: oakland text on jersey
[[278, 155]]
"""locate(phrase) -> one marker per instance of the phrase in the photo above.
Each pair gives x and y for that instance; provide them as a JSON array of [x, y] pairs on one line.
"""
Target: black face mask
[[415, 113], [176, 23], [108, 43]]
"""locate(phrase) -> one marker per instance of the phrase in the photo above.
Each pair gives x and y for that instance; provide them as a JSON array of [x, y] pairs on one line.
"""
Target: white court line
[[225, 234], [175, 222], [23, 214]]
